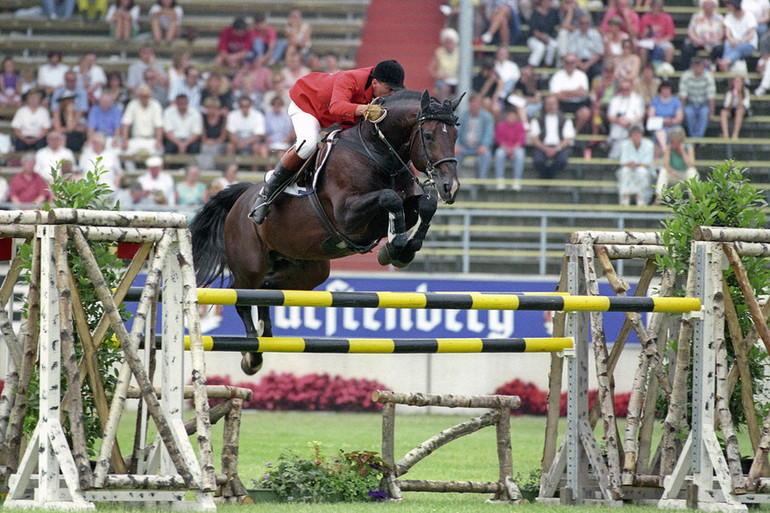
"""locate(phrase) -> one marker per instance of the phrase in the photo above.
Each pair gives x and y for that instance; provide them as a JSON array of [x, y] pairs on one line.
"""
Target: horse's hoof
[[400, 264], [251, 363], [383, 255]]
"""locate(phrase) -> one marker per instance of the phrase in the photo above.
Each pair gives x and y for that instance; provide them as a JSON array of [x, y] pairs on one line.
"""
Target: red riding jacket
[[333, 98]]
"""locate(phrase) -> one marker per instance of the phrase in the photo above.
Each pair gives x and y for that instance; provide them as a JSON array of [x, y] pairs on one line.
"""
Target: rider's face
[[381, 89]]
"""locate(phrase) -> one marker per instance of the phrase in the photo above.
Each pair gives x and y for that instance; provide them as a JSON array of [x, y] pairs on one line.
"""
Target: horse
[[362, 191]]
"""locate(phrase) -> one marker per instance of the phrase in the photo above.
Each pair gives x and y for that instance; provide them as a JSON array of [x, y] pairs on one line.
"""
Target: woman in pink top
[[510, 137]]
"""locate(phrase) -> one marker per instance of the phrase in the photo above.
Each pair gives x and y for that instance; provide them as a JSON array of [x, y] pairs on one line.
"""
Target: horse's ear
[[425, 100], [456, 102]]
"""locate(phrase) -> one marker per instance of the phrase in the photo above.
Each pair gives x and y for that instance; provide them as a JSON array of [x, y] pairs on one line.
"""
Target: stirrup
[[260, 209]]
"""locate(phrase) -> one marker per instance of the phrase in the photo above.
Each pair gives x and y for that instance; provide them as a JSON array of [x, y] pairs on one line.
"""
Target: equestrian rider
[[318, 100]]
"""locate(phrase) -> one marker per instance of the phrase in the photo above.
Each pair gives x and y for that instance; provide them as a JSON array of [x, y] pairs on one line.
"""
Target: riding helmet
[[390, 73]]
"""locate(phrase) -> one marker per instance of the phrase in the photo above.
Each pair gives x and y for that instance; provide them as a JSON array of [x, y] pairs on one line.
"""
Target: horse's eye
[[428, 136]]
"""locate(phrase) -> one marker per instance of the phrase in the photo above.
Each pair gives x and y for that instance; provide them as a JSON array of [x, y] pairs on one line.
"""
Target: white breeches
[[307, 128]]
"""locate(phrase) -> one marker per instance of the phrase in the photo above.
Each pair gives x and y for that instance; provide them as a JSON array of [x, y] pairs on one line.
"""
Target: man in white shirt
[[570, 86], [190, 87], [142, 124], [182, 127], [626, 108], [95, 148], [135, 73], [246, 130], [50, 155], [51, 74], [157, 183], [551, 138], [507, 70]]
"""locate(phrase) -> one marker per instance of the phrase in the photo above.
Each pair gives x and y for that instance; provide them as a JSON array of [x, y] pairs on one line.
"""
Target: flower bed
[[535, 401]]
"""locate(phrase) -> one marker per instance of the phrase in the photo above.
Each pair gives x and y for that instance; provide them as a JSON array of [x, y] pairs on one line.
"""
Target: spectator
[[570, 87], [158, 183], [28, 187], [265, 47], [625, 110], [603, 88], [191, 192], [504, 21], [705, 31], [142, 124], [628, 64], [91, 76], [165, 20], [214, 132], [71, 123], [159, 93], [737, 105], [569, 18], [647, 84], [31, 123], [147, 60], [228, 178], [218, 86], [614, 37], [297, 33], [551, 137], [664, 113], [71, 88], [509, 74], [279, 131], [189, 87], [252, 80], [180, 61], [11, 83], [123, 17], [92, 10], [510, 137], [445, 64], [50, 155], [279, 89], [761, 11], [763, 68], [28, 79], [740, 35], [678, 163], [587, 44], [487, 84], [528, 89], [331, 62], [543, 25], [58, 9], [130, 195], [182, 127], [235, 43], [629, 20], [657, 34], [96, 147], [115, 88], [475, 136], [246, 130], [636, 168], [294, 69], [697, 90], [50, 75]]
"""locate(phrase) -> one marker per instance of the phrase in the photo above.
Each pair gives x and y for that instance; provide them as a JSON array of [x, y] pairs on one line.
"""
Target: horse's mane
[[442, 111]]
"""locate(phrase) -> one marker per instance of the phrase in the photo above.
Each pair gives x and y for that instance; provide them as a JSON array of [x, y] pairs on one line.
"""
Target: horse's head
[[427, 136]]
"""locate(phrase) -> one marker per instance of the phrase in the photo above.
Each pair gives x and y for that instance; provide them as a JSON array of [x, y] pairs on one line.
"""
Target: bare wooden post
[[388, 449]]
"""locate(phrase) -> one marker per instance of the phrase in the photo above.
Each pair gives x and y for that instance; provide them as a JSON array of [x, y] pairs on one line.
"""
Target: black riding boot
[[275, 183]]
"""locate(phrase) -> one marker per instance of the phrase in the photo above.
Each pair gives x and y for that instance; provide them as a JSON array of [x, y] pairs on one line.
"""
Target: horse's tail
[[208, 234]]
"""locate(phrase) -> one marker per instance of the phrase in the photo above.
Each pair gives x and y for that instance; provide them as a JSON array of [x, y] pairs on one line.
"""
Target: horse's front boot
[[251, 363]]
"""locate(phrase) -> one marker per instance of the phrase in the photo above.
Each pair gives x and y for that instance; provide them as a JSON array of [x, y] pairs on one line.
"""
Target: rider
[[319, 100]]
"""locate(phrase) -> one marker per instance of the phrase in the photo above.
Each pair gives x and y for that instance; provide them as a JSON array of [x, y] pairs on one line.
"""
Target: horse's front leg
[[356, 213], [252, 361], [426, 206]]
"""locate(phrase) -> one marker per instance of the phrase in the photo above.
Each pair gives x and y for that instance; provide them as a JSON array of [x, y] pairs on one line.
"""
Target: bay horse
[[365, 191]]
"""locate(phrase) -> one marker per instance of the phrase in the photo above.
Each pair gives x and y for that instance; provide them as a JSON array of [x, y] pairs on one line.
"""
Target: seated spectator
[[91, 76], [697, 90], [157, 183], [72, 88], [313, 63], [191, 192], [147, 60], [678, 163], [280, 89], [636, 168], [228, 178], [445, 64], [180, 61], [763, 68], [614, 37], [475, 135], [603, 88], [58, 9], [234, 44], [31, 122], [587, 44], [761, 11], [625, 110], [504, 21], [265, 48], [10, 84], [50, 75], [190, 87], [331, 62], [182, 127], [551, 136], [159, 93], [705, 31], [92, 10], [246, 130], [95, 148], [28, 187], [294, 68], [510, 137], [647, 84], [115, 88], [104, 118], [297, 33], [52, 154], [740, 35], [527, 89], [71, 123], [569, 16], [509, 74], [569, 86], [252, 80], [737, 105], [629, 20], [628, 64], [130, 195], [656, 32], [664, 113], [28, 79], [543, 25], [214, 132], [165, 20], [487, 84], [279, 131], [142, 124], [123, 17], [218, 86]]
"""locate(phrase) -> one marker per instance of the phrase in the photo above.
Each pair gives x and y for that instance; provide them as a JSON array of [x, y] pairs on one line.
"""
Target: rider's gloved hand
[[374, 113]]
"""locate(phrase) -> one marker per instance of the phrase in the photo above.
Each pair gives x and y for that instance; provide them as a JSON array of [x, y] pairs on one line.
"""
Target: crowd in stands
[[607, 74]]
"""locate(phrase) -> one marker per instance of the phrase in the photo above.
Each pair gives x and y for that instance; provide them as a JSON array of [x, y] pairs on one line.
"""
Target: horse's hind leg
[[251, 361], [425, 206]]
